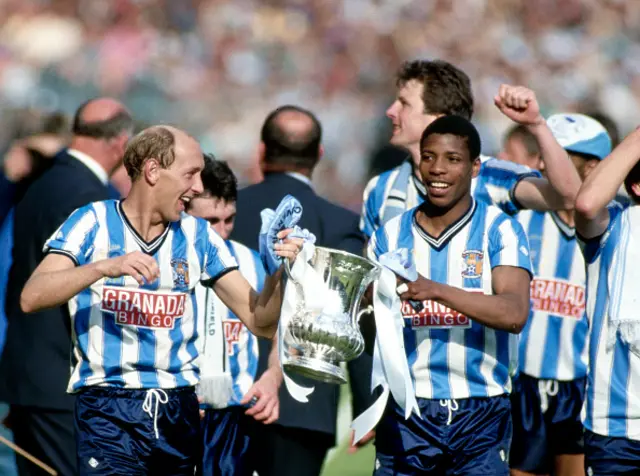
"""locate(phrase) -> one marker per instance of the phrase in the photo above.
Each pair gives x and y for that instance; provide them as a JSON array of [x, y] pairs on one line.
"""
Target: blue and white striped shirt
[[450, 355], [612, 405], [495, 184], [132, 336], [553, 344], [240, 345]]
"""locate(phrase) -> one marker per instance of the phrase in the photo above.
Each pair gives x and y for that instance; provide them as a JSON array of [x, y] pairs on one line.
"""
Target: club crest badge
[[180, 269], [472, 264]]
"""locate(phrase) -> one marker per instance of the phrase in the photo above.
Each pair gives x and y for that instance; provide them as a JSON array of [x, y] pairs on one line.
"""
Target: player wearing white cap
[[549, 390]]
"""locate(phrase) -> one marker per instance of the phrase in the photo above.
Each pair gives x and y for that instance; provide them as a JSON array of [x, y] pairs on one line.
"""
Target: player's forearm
[[273, 366], [274, 358], [268, 305], [47, 289], [506, 312], [559, 168], [602, 184]]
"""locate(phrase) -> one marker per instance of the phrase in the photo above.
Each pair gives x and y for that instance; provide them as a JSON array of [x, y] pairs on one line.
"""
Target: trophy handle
[[363, 311]]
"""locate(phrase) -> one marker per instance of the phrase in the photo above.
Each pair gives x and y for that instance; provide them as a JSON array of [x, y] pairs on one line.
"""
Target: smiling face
[[220, 214], [179, 183], [446, 169], [408, 117]]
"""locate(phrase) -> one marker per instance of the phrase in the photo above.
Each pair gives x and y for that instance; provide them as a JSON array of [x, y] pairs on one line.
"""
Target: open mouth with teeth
[[185, 202], [437, 189], [438, 186]]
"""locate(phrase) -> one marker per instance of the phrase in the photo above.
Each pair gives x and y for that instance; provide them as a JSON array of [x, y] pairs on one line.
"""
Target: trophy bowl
[[319, 341]]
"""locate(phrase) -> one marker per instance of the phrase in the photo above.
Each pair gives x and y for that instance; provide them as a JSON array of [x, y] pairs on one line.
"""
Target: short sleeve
[[218, 260], [378, 244], [591, 247], [75, 237], [369, 220], [497, 182], [508, 244]]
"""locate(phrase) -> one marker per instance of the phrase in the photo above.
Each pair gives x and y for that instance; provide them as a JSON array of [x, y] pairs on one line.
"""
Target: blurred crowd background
[[216, 67]]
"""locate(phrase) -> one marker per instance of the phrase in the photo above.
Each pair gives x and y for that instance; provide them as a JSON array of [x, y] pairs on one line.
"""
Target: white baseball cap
[[580, 134]]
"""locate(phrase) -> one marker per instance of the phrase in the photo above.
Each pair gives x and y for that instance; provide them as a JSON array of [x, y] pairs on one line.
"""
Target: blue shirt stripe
[[564, 262], [619, 386], [474, 337], [535, 232], [373, 204], [112, 337], [178, 249], [500, 371], [147, 344], [439, 337]]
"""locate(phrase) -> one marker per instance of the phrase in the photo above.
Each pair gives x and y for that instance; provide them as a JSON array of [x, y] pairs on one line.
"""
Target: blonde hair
[[153, 143]]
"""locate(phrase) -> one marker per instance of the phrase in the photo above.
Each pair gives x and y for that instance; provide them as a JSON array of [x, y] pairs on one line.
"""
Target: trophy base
[[316, 369]]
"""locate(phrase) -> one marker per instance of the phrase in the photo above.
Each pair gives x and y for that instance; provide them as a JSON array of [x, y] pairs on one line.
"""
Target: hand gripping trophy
[[318, 326], [321, 307]]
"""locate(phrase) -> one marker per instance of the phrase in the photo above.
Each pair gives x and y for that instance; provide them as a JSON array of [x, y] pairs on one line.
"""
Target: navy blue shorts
[[468, 436], [606, 456], [227, 435], [116, 431], [546, 422]]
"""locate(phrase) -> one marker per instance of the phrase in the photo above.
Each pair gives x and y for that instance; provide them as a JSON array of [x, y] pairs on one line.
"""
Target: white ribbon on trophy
[[390, 366], [314, 292]]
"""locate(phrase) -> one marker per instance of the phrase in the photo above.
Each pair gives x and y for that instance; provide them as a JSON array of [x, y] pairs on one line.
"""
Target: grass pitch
[[339, 462]]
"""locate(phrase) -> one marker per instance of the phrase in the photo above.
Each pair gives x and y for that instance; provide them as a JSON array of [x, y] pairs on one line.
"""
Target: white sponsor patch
[[141, 308], [558, 297]]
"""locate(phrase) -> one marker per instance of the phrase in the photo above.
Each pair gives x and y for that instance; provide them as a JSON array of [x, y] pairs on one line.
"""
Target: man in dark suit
[[35, 363], [290, 149]]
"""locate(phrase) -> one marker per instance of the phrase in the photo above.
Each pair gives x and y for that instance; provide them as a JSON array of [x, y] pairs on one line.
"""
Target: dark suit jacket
[[11, 193], [334, 227], [35, 365]]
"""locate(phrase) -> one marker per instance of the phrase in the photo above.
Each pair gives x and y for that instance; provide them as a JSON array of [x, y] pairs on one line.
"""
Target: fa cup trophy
[[319, 340]]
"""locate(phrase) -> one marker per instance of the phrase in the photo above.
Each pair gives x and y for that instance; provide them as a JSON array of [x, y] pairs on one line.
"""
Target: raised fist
[[519, 104]]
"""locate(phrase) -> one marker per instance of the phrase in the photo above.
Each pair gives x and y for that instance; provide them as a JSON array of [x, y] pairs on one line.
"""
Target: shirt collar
[[299, 176], [91, 164], [449, 232], [568, 231]]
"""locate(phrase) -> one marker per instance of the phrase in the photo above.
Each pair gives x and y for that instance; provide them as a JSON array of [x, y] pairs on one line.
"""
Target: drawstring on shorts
[[160, 397], [452, 405], [547, 388]]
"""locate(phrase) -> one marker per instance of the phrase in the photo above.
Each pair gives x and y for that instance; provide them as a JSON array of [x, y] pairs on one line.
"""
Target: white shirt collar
[[299, 176], [91, 164]]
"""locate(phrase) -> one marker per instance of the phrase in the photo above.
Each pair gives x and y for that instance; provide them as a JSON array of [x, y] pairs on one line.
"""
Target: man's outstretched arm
[[560, 189], [57, 278], [602, 184]]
